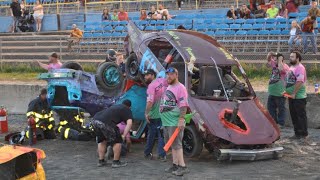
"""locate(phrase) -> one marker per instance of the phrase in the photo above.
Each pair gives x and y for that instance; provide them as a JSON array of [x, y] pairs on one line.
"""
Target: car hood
[[261, 128]]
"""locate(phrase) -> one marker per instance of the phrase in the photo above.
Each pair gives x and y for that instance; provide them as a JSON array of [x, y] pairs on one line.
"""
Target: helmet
[[17, 138], [111, 55]]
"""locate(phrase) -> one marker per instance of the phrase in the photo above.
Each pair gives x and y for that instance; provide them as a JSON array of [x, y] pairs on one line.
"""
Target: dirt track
[[77, 160]]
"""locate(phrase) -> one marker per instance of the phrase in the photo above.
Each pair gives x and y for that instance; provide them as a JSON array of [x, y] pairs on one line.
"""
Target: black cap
[[150, 71], [127, 103]]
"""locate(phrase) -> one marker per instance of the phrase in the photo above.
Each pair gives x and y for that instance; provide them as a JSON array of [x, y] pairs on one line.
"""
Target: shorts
[[38, 16], [106, 133], [167, 133]]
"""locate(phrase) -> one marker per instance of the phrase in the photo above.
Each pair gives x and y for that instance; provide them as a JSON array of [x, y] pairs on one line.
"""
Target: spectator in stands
[[295, 35], [179, 4], [244, 12], [38, 15], [283, 11], [292, 6], [314, 11], [143, 14], [54, 62], [259, 13], [105, 15], [232, 14], [307, 28], [22, 6], [165, 15], [253, 5], [273, 11], [114, 16], [121, 62], [15, 10], [122, 15], [152, 14], [161, 9], [75, 36]]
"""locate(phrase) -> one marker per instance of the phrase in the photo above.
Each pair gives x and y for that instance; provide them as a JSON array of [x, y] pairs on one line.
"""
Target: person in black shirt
[[104, 124], [152, 14], [259, 13], [232, 13], [15, 10]]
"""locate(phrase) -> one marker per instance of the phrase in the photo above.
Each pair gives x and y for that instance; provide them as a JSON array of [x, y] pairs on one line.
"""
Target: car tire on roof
[[192, 142], [132, 67], [72, 65], [110, 79]]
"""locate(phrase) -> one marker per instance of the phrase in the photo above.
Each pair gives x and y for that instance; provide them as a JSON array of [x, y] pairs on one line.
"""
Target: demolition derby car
[[228, 119]]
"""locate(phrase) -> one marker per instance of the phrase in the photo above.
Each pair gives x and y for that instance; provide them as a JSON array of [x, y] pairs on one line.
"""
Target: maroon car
[[229, 119]]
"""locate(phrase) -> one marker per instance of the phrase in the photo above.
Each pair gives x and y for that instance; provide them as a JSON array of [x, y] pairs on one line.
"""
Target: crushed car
[[229, 120]]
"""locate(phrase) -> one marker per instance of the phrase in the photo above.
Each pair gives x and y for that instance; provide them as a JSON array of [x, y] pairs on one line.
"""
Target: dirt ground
[[77, 160]]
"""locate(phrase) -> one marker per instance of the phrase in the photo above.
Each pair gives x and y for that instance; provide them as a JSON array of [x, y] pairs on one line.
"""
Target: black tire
[[192, 142], [132, 67], [112, 85], [72, 65]]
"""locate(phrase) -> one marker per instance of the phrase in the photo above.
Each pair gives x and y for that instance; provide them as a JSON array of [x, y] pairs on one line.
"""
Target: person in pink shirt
[[156, 88], [276, 101], [54, 62], [122, 127], [122, 15]]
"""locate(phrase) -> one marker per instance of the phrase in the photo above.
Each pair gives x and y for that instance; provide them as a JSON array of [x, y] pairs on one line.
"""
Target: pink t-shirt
[[284, 71], [155, 91], [122, 127], [54, 66], [299, 72], [123, 16]]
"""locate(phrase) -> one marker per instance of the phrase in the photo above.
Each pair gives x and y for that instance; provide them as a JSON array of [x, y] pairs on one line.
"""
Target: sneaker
[[109, 152], [148, 156], [171, 169], [118, 164], [181, 171], [162, 158], [294, 137], [101, 163]]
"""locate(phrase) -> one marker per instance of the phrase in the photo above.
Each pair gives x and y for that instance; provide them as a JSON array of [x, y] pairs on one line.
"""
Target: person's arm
[[11, 12], [183, 106], [44, 66], [127, 128], [150, 101], [297, 87]]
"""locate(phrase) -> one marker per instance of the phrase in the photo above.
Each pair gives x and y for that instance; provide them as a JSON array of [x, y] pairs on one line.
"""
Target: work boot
[[294, 137], [101, 163], [148, 156], [171, 169], [117, 164], [162, 158], [181, 171]]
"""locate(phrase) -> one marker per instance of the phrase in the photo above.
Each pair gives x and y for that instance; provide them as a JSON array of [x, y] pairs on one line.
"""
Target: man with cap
[[75, 36], [156, 88], [104, 124], [173, 108], [54, 62]]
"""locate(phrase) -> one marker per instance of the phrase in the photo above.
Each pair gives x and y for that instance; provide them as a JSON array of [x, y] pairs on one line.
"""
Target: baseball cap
[[171, 70], [150, 71]]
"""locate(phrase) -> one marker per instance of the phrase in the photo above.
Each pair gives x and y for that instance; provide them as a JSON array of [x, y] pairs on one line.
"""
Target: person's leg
[[40, 24], [117, 142], [272, 108], [282, 111], [161, 152], [301, 115], [102, 149], [70, 41], [177, 146], [293, 115], [116, 151], [167, 133], [290, 42], [305, 42], [313, 42], [150, 139]]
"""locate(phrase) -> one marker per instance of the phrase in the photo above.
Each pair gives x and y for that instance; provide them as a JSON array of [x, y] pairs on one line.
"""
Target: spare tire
[[110, 78], [132, 67], [72, 65]]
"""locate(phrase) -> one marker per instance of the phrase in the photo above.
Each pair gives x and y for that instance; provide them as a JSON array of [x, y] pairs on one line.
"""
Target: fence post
[[60, 47], [197, 4], [57, 6], [121, 5]]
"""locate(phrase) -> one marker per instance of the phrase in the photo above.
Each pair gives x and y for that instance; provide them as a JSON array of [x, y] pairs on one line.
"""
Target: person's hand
[[293, 96], [181, 123], [123, 137], [147, 118]]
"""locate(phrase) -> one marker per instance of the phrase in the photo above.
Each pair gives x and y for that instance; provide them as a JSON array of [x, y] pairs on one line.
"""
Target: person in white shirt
[[38, 14], [295, 37]]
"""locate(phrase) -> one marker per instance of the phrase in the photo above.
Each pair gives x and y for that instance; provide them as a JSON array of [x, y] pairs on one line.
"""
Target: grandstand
[[249, 39]]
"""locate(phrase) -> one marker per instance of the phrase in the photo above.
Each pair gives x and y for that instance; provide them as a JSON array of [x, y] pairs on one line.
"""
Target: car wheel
[[72, 65], [132, 67], [192, 142], [110, 78]]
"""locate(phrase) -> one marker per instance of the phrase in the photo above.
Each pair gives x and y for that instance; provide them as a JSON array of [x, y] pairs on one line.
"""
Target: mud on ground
[[77, 160]]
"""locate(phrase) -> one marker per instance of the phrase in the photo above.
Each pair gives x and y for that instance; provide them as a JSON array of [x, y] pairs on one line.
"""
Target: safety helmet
[[17, 138], [111, 55]]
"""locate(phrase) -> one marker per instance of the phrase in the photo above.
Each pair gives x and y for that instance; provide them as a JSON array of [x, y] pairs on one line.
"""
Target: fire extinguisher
[[3, 120], [32, 131]]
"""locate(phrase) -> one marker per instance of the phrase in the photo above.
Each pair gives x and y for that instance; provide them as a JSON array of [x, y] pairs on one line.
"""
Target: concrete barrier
[[16, 98]]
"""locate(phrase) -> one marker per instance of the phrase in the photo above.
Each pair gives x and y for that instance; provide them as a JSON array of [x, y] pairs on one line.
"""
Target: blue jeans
[[153, 131], [291, 42], [277, 109], [312, 37]]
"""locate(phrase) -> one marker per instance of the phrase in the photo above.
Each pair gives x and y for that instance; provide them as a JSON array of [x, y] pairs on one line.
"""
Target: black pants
[[179, 3], [298, 115]]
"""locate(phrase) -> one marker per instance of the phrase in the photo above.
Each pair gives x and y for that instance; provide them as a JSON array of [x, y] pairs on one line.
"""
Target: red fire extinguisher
[[32, 131], [3, 120]]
